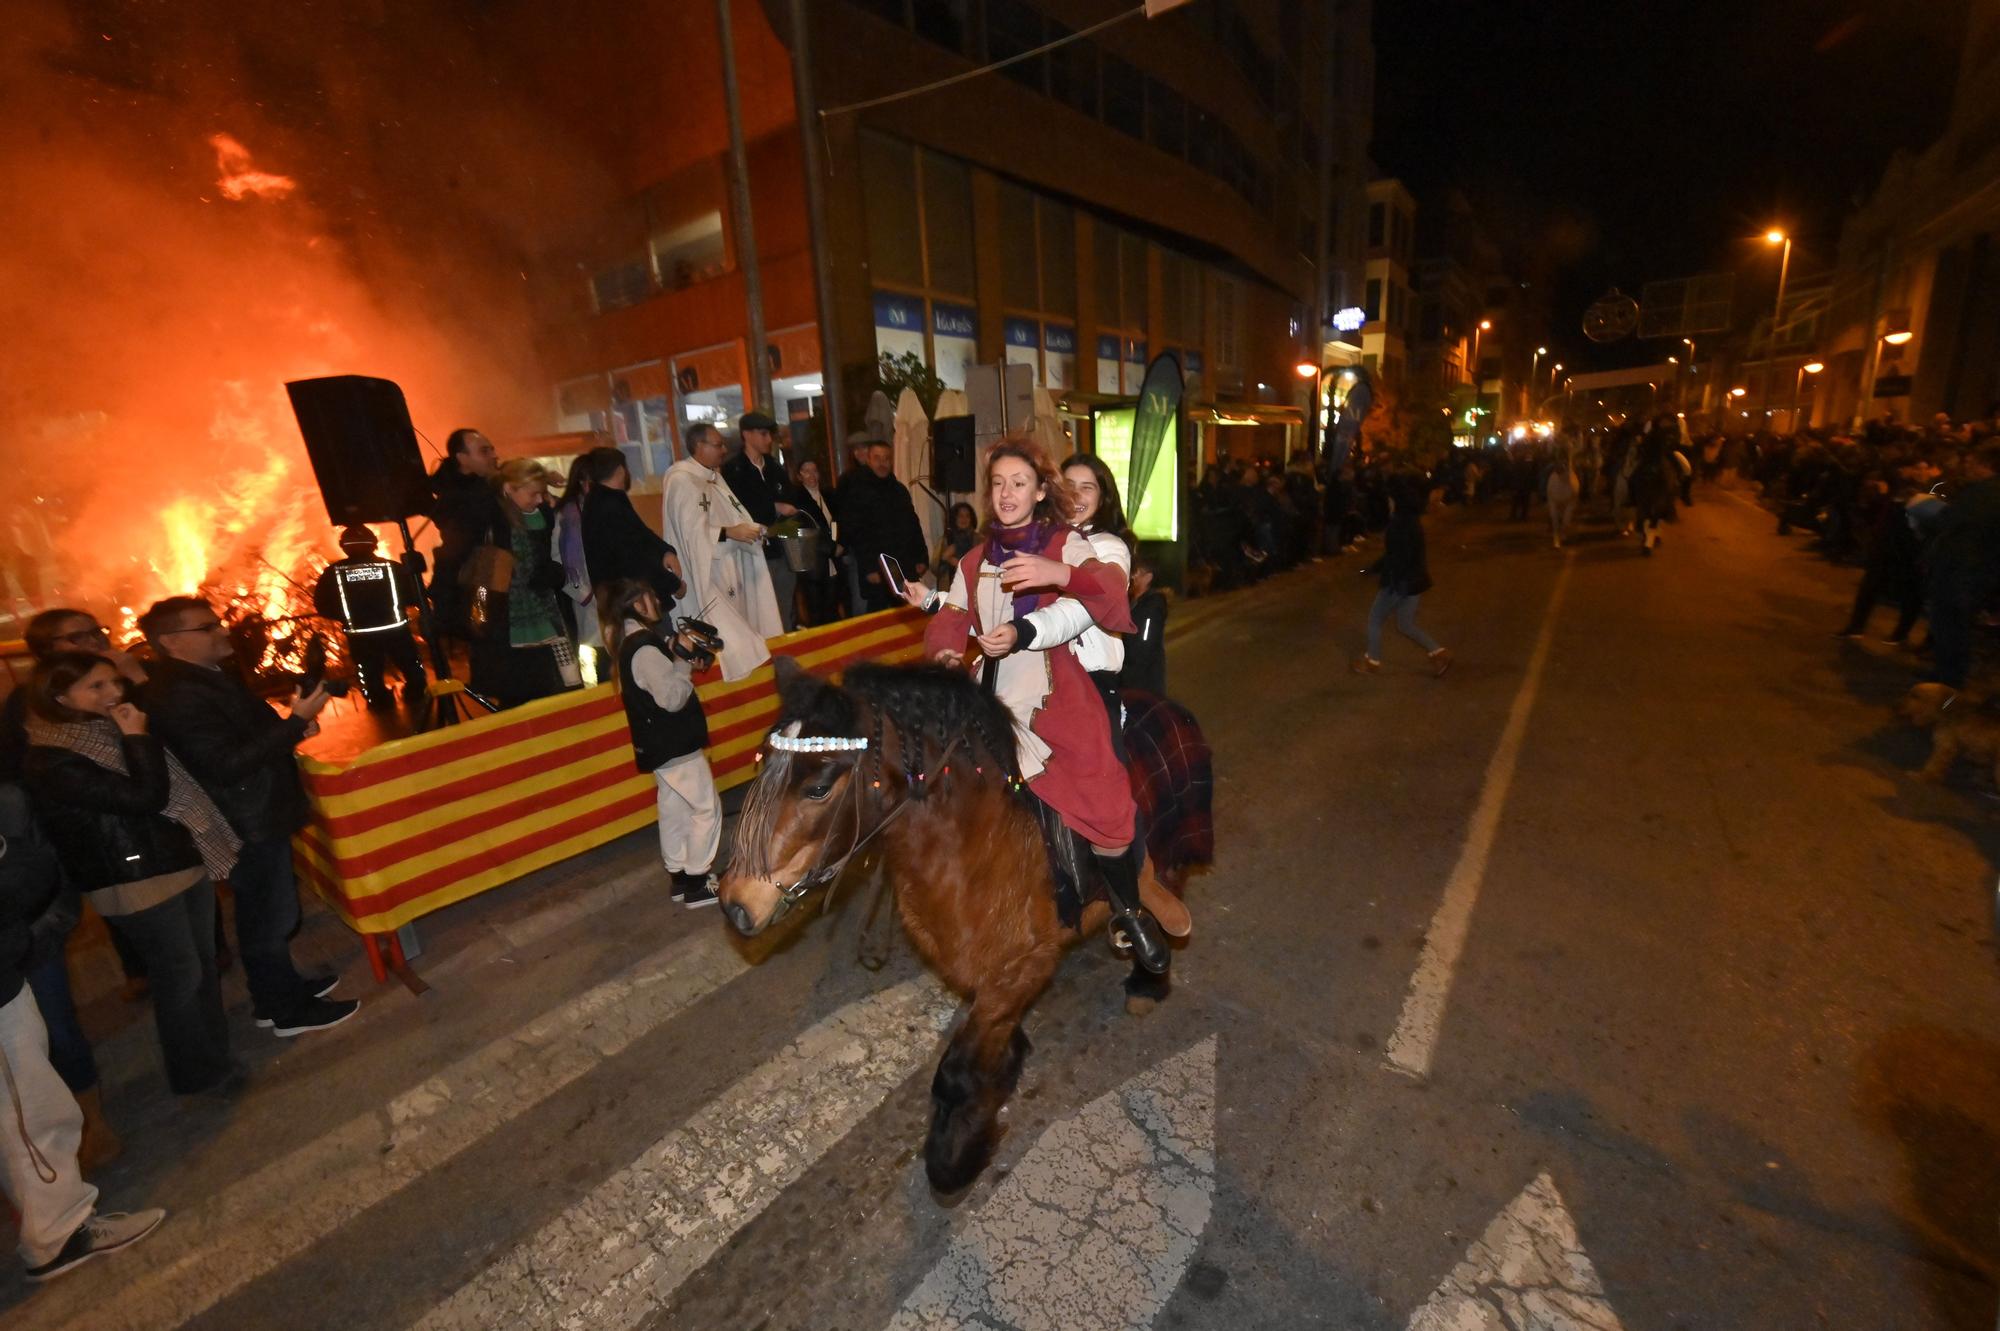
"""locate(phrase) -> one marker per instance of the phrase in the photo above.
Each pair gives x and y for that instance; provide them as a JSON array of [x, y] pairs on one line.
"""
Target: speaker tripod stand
[[447, 700]]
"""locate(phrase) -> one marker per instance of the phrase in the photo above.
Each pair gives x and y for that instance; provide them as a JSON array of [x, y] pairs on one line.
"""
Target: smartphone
[[892, 573]]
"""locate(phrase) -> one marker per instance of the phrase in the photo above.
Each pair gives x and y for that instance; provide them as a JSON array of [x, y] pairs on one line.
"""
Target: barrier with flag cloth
[[416, 824]]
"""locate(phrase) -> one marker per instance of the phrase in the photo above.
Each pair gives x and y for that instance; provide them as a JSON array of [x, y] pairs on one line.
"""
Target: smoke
[[209, 200]]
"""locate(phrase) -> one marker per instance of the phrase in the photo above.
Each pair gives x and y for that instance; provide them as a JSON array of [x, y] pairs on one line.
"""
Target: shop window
[[1166, 118], [639, 423], [1058, 229], [1371, 304], [1377, 217], [621, 285], [691, 251], [1104, 241], [582, 403], [1017, 249], [947, 194], [1124, 97], [1014, 27], [1073, 72], [889, 186], [942, 22]]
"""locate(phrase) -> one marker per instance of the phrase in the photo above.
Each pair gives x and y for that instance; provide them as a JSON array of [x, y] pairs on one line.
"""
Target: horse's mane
[[929, 705]]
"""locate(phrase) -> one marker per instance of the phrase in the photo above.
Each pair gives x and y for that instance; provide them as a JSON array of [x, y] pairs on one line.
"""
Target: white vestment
[[727, 583]]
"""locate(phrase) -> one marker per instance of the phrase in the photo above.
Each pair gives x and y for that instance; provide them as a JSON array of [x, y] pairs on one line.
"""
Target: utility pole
[[1323, 239], [807, 105], [746, 231]]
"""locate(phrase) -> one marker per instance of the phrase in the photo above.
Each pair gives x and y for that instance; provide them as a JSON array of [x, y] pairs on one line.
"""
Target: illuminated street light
[[1307, 369], [1738, 392], [1798, 380], [1898, 338], [1485, 325], [1775, 236], [1813, 367]]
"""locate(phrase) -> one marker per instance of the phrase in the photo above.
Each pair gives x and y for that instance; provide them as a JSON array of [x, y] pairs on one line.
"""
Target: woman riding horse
[[1030, 588]]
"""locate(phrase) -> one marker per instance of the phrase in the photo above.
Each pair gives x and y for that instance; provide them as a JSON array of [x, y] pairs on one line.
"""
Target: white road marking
[[1415, 1040], [259, 1222], [1527, 1272], [618, 1255], [1096, 1225]]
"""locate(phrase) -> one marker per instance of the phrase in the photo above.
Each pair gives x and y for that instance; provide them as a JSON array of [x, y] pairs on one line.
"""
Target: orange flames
[[239, 180]]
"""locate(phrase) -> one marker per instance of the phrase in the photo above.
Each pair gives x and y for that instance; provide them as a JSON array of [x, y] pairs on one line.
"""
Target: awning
[[1079, 406]]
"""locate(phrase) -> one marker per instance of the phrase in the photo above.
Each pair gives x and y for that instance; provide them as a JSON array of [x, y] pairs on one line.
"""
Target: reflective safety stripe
[[347, 611]]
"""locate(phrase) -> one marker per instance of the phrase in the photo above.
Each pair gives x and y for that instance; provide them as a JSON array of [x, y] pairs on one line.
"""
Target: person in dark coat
[[877, 518], [1892, 560], [756, 476], [142, 841], [1405, 573], [41, 1164], [370, 597], [819, 584], [524, 650], [1964, 566], [463, 514], [1655, 482], [242, 754], [617, 543], [1145, 668]]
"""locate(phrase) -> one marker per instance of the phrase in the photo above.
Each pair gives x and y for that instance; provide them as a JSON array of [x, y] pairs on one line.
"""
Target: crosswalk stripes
[[620, 1253], [259, 1222], [1096, 1225], [1526, 1272]]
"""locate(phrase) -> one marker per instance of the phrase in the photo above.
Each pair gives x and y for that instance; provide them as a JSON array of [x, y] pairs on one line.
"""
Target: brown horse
[[922, 761]]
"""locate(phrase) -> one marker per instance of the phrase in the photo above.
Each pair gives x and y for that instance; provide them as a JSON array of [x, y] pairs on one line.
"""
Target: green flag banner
[[1156, 432]]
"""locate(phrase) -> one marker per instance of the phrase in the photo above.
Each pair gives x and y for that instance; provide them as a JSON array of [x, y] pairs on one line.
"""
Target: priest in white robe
[[722, 556]]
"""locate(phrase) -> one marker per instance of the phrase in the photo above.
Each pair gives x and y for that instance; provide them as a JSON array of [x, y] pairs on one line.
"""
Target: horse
[[921, 760]]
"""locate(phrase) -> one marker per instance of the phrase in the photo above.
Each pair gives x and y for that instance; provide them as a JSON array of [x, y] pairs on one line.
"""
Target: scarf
[[1032, 538], [187, 803], [532, 616]]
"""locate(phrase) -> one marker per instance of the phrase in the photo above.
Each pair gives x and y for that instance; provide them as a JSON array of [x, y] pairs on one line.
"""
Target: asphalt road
[[1624, 977]]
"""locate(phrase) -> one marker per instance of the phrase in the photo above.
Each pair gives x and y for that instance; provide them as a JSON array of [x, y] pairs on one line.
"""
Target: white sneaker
[[105, 1232]]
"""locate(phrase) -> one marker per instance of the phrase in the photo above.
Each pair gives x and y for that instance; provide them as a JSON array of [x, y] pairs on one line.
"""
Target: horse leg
[[1144, 990], [979, 1072]]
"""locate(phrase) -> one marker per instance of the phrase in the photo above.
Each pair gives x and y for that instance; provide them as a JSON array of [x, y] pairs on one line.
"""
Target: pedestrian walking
[[656, 668], [1405, 573], [41, 1168], [1559, 486]]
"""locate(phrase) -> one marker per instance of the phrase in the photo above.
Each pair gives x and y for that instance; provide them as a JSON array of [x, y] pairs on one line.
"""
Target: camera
[[705, 643], [314, 674]]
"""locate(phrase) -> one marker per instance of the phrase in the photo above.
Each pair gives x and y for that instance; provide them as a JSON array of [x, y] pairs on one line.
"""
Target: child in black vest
[[669, 732]]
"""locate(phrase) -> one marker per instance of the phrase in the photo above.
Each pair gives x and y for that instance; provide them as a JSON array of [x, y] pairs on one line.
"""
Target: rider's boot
[[1128, 917]]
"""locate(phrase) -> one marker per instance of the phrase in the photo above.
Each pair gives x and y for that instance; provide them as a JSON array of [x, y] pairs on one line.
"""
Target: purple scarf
[[1003, 543]]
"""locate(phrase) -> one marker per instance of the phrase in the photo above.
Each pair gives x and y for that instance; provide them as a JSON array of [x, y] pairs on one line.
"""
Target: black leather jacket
[[38, 907], [109, 827], [233, 743]]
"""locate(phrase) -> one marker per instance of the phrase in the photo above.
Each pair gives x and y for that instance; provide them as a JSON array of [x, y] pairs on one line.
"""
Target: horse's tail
[[1173, 780]]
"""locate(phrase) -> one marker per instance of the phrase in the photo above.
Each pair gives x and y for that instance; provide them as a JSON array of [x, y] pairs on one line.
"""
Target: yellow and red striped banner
[[419, 823]]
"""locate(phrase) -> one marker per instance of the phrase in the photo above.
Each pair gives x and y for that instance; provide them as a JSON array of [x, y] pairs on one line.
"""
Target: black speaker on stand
[[953, 445], [364, 454]]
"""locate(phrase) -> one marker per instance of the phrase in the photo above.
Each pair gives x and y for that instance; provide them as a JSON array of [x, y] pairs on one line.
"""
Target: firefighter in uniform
[[369, 596]]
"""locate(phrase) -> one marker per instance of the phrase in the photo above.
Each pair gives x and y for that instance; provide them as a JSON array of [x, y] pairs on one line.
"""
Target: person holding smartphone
[[877, 518], [1021, 598]]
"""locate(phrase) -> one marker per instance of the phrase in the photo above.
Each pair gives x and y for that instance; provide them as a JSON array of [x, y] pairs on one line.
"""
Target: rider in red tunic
[[1026, 591]]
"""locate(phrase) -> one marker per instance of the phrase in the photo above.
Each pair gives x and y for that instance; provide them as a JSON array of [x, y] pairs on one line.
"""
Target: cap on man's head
[[357, 538], [863, 439], [755, 420]]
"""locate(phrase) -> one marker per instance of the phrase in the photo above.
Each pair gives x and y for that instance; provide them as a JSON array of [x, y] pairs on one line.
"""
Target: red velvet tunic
[[1066, 749]]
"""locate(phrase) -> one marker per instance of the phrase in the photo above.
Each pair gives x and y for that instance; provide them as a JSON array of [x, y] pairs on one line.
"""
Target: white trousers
[[40, 1128], [690, 814]]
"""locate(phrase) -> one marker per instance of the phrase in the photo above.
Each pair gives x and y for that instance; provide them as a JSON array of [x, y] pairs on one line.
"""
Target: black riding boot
[[1128, 917]]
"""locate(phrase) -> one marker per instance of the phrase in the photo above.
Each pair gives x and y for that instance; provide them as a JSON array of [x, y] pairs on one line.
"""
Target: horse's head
[[804, 816]]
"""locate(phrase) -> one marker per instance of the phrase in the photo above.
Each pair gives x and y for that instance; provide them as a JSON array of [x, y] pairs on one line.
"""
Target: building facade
[[1388, 300], [1160, 186]]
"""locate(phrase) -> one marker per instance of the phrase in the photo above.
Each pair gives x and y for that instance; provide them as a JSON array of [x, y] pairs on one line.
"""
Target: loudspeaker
[[952, 454], [363, 448]]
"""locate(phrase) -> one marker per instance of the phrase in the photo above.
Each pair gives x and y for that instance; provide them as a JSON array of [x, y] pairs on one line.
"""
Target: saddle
[[1079, 882]]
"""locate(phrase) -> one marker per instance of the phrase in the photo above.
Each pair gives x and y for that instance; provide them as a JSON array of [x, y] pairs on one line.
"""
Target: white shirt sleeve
[[1066, 618], [669, 681]]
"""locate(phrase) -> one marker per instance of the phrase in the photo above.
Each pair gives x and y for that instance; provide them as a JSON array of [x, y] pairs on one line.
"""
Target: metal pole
[[809, 135], [746, 231], [1323, 239], [1777, 310]]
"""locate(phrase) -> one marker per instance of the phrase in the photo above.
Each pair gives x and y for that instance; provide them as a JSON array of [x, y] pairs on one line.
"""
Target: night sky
[[1603, 148]]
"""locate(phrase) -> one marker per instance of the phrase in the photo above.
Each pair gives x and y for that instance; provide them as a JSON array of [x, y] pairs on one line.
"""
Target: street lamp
[[1899, 337], [1810, 367], [1776, 237], [1534, 373]]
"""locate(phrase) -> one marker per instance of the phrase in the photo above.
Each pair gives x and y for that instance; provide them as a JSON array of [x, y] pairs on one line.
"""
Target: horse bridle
[[822, 873]]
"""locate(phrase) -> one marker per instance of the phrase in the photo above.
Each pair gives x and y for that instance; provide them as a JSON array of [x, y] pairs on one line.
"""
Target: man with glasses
[[241, 753]]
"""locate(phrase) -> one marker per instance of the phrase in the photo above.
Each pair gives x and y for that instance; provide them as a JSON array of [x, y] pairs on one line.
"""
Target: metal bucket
[[801, 550]]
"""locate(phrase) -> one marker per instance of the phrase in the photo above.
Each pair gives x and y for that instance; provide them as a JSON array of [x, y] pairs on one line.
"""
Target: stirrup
[[1140, 937]]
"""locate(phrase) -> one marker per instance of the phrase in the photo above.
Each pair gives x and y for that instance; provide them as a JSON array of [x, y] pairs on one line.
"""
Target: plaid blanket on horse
[[1173, 780]]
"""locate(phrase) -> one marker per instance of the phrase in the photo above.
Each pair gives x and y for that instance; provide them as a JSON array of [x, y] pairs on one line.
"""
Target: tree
[[909, 371]]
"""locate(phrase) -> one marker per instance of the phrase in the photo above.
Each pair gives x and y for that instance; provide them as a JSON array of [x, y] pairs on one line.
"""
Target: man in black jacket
[[877, 518], [617, 543], [61, 1227], [758, 479], [465, 511], [241, 753]]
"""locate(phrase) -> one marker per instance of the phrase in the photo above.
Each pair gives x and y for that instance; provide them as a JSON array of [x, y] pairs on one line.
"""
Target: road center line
[[1415, 1040]]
